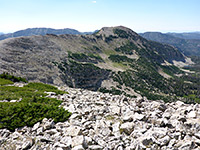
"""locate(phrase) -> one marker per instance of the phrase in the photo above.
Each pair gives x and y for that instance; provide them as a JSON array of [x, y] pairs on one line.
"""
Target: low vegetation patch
[[19, 114], [44, 87], [120, 58], [12, 78], [113, 91], [32, 105], [127, 48], [81, 57], [121, 33], [109, 38], [5, 82]]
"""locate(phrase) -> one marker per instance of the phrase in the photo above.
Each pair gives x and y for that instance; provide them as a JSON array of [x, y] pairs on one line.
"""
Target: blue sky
[[89, 15]]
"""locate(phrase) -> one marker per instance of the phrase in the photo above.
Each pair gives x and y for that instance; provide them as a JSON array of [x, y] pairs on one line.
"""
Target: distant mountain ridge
[[41, 31], [188, 43], [186, 35], [190, 47]]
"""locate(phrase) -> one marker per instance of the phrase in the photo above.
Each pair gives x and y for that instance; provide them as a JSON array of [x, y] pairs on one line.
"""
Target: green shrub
[[120, 58], [121, 33], [81, 57], [44, 87], [127, 48], [78, 56], [14, 115], [109, 38], [5, 81], [95, 56], [32, 108], [27, 92], [113, 91], [171, 70], [12, 92], [12, 78], [96, 48]]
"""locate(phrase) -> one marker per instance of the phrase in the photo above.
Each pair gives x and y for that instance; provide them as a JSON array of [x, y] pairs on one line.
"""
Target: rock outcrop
[[105, 121]]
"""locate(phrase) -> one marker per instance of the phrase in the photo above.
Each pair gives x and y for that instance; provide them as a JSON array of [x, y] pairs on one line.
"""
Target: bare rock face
[[133, 123], [31, 57]]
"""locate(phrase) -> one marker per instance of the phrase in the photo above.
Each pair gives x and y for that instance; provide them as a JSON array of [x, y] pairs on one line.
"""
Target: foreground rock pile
[[103, 121]]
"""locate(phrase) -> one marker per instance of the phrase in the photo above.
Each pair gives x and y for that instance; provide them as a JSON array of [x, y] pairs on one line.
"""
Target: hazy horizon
[[102, 27], [89, 15]]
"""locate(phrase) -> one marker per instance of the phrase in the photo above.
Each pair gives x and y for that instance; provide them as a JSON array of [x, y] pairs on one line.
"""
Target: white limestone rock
[[95, 147], [127, 128], [138, 116], [73, 131], [79, 140], [78, 147], [192, 114], [27, 145], [105, 121], [36, 126]]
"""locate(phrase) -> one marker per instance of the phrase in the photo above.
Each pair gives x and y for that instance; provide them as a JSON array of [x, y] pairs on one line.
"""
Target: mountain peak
[[119, 31]]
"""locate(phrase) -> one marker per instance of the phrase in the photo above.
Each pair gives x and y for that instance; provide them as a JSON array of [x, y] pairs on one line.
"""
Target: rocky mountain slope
[[104, 121], [40, 31], [186, 43], [114, 59]]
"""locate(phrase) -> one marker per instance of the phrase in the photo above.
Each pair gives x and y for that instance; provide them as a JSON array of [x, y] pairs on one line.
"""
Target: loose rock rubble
[[105, 121]]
